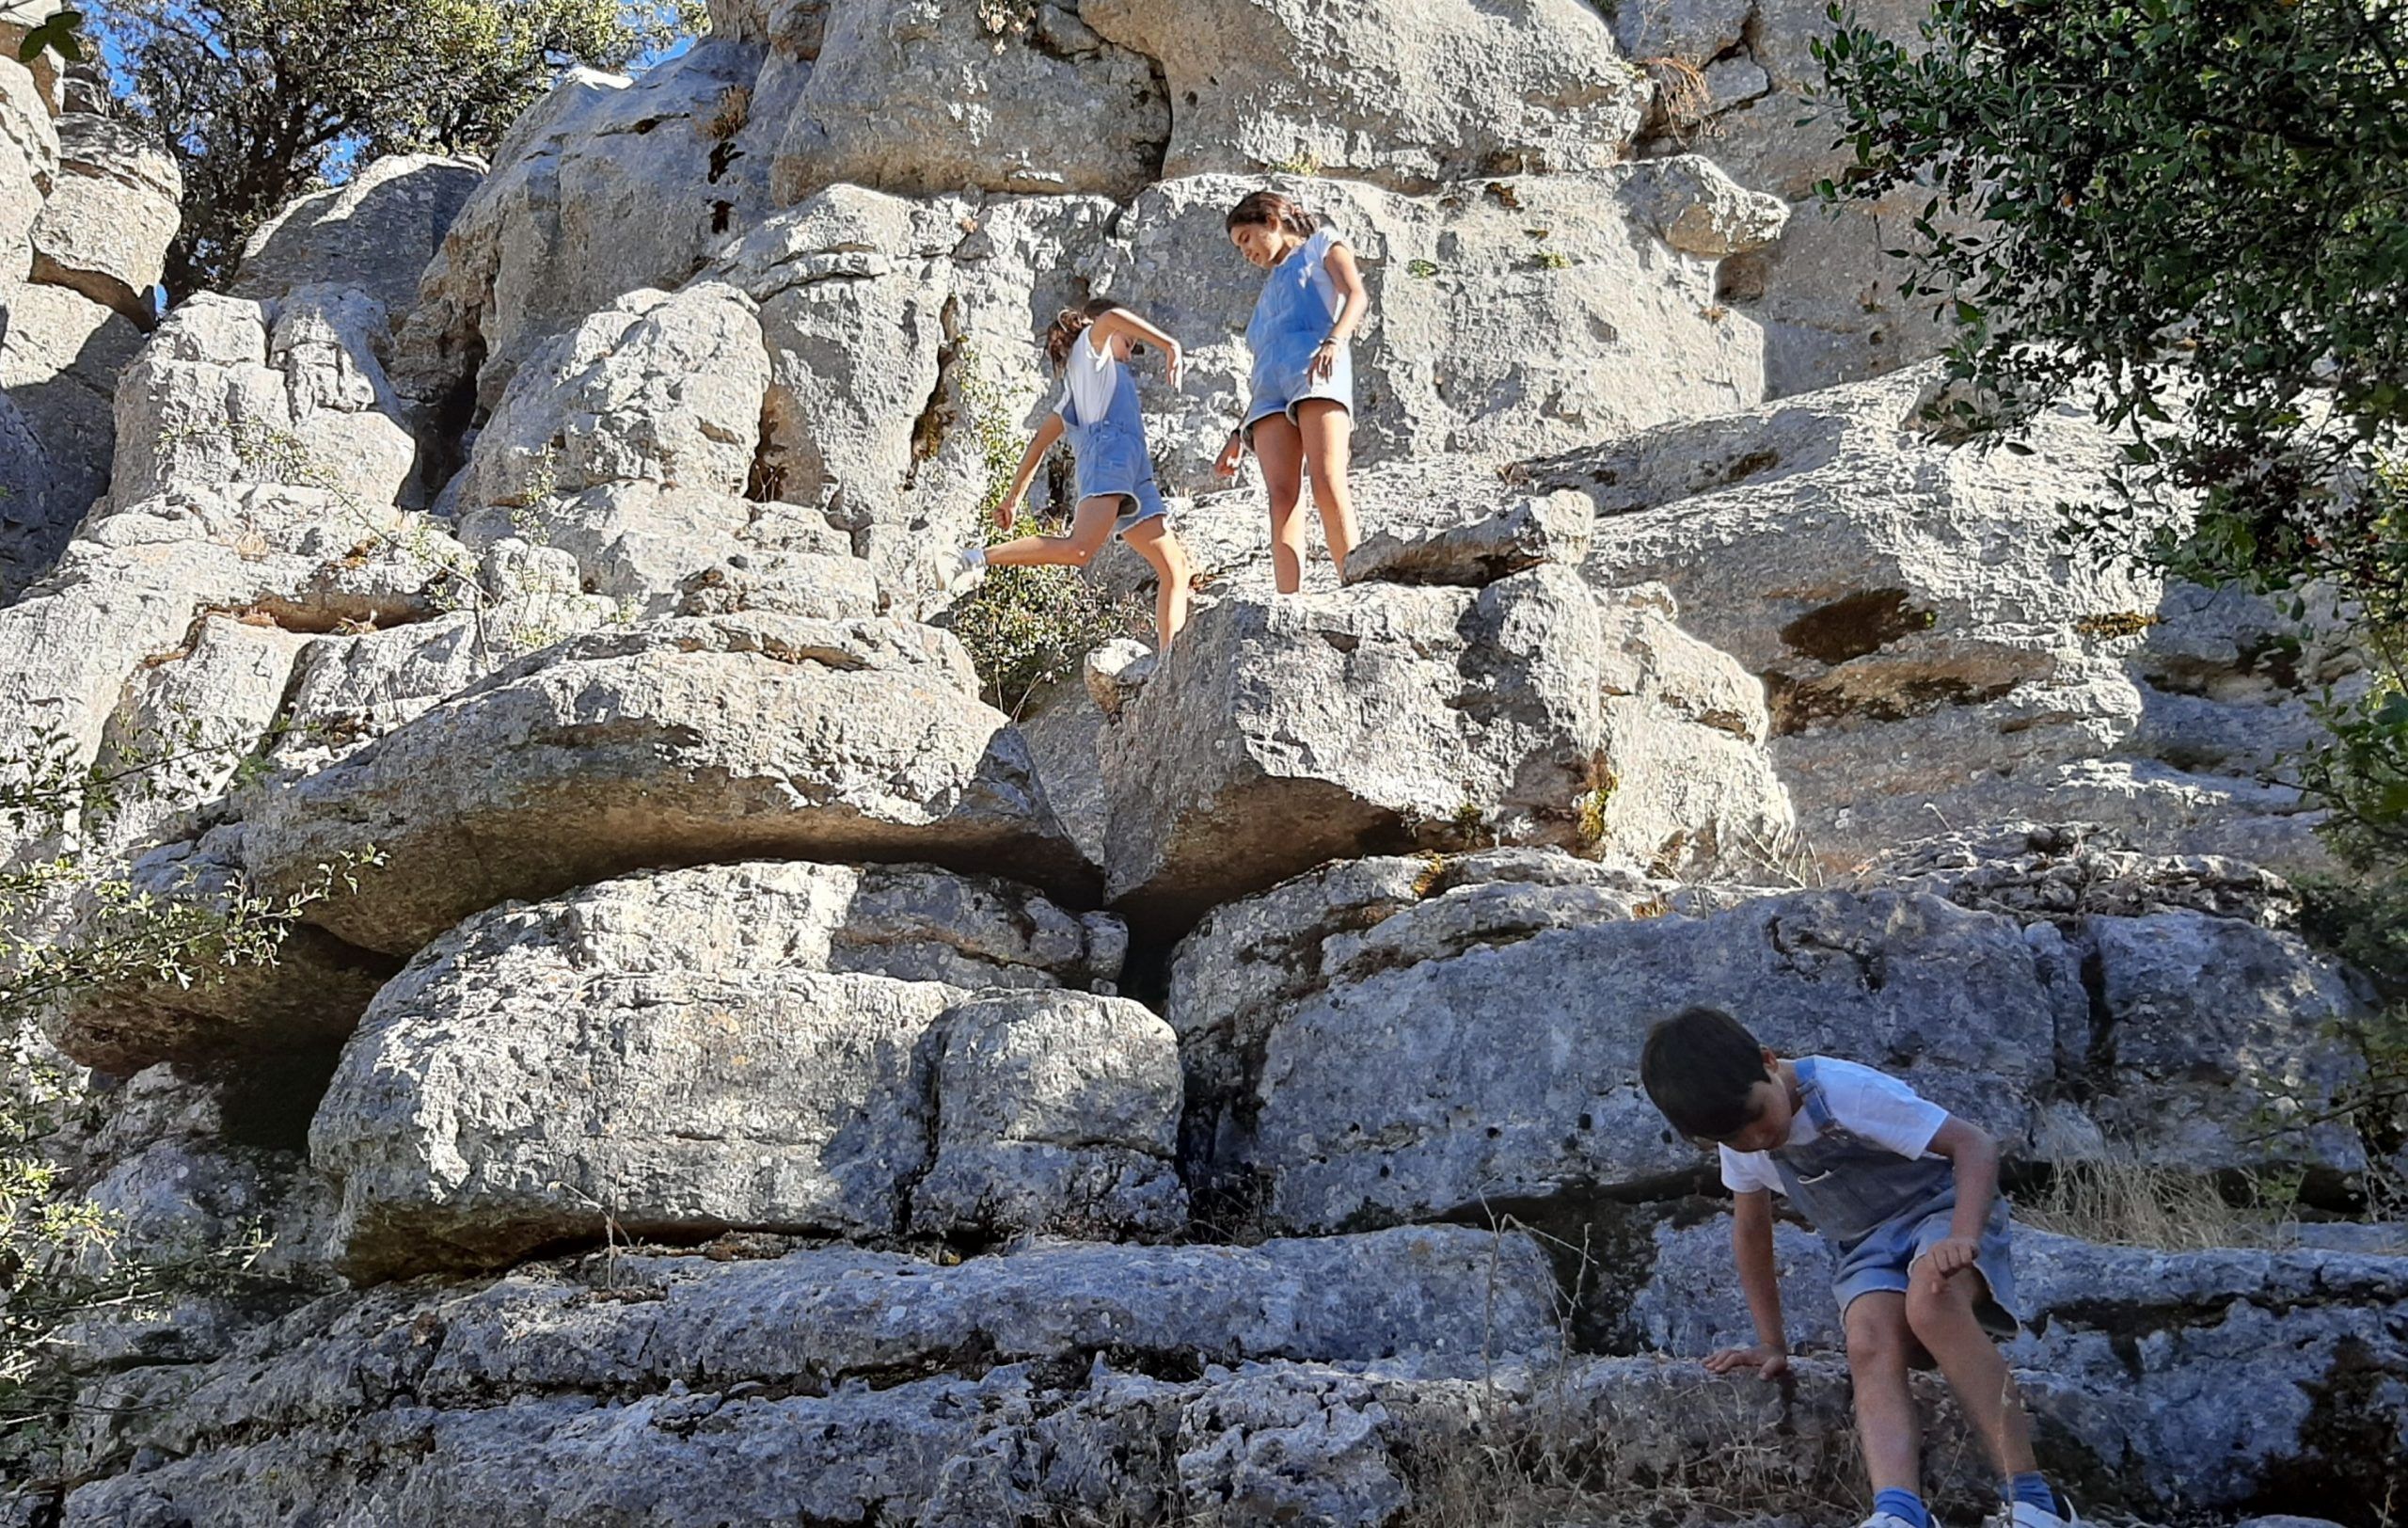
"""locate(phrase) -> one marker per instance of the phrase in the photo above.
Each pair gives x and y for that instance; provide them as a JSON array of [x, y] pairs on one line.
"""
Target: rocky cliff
[[738, 1075]]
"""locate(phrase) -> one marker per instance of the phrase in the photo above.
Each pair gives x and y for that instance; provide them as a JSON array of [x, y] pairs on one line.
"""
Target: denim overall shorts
[[1880, 1211], [1111, 451], [1290, 320]]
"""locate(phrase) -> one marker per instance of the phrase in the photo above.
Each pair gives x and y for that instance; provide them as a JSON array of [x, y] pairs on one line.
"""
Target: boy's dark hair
[[1698, 1067], [1068, 325]]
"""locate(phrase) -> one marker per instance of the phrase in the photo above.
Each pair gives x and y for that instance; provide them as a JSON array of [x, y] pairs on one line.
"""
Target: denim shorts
[[1113, 465], [1880, 1259], [1285, 390]]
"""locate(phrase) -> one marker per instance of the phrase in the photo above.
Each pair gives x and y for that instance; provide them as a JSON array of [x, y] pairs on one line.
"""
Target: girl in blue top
[[1099, 411], [1301, 415]]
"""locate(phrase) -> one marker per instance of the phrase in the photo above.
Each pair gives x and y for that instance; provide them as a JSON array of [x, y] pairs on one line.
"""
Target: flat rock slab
[[778, 1047], [1285, 731], [678, 741]]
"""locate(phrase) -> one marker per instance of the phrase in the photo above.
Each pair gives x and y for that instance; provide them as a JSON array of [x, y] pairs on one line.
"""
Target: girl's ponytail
[[1270, 209], [1063, 333]]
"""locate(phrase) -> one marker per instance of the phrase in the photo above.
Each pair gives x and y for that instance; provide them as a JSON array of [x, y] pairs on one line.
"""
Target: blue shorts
[[1282, 389], [1880, 1259], [1115, 466]]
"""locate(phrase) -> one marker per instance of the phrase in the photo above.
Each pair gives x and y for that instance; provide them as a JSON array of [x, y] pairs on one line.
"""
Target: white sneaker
[[2024, 1514], [963, 571]]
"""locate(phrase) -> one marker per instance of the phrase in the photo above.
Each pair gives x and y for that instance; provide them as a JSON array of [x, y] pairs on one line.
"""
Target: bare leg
[[1153, 541], [1091, 527], [1281, 450], [1328, 433], [1940, 1313], [1878, 1343]]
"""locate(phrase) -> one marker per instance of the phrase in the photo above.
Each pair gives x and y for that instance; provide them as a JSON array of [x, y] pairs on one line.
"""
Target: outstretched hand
[[1175, 361], [1769, 1362]]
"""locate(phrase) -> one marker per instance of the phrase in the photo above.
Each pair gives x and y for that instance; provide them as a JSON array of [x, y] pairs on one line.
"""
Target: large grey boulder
[[1314, 1020], [375, 232], [1827, 291], [923, 98], [28, 163], [1283, 731], [289, 392], [1615, 266], [1407, 93], [60, 354], [111, 214], [781, 1047], [1933, 656], [671, 742], [601, 188]]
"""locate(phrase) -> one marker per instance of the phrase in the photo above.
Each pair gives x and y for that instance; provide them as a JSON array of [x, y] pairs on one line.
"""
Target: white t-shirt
[[1868, 1104], [1317, 250], [1089, 379]]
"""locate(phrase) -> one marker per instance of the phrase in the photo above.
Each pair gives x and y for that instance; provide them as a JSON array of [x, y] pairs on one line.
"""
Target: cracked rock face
[[690, 738], [1925, 652], [1314, 1020], [1283, 730], [772, 1046]]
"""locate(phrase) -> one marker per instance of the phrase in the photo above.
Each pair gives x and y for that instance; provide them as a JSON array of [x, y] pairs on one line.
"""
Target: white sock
[[975, 556]]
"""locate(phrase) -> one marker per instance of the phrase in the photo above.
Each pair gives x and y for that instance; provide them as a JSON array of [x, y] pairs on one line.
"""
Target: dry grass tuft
[[2122, 1201]]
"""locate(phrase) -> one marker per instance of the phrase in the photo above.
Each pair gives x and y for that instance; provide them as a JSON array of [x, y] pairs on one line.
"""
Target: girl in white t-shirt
[[1300, 416], [1098, 411]]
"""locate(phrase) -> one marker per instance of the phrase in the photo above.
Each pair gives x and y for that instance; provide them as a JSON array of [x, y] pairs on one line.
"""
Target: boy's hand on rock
[[1769, 1362], [1948, 1255]]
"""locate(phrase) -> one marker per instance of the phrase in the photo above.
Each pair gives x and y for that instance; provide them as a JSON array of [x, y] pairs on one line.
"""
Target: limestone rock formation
[[1314, 1019], [720, 1071], [1406, 93], [111, 209], [918, 98], [775, 1047], [670, 741], [375, 232], [1282, 730], [1926, 648]]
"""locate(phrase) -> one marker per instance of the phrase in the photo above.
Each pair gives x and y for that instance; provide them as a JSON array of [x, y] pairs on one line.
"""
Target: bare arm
[[1751, 1250], [1355, 298], [1047, 434], [1974, 1154], [1120, 321]]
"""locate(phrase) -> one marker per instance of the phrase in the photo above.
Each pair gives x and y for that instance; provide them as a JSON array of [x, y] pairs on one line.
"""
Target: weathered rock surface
[[602, 188], [778, 1047], [1931, 658], [922, 99], [670, 741], [375, 232], [60, 354], [1406, 93], [111, 210], [28, 163], [1553, 529], [867, 1416], [1285, 731], [1361, 1044]]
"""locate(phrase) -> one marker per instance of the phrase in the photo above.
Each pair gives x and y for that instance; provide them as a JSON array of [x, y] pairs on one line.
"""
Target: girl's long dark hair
[[1068, 325], [1269, 207]]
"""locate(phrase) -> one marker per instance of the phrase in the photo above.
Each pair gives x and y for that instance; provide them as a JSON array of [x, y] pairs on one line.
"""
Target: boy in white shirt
[[1905, 1194]]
